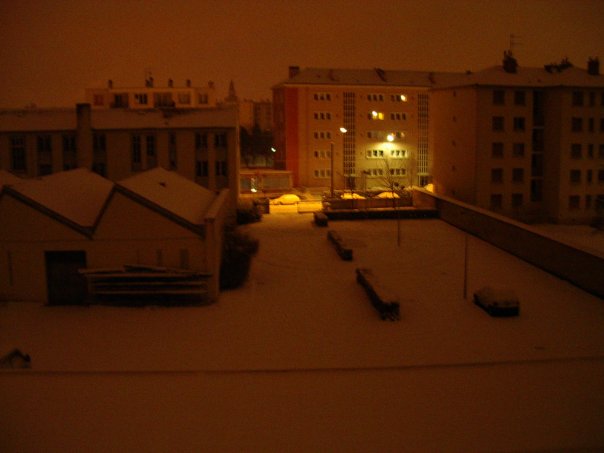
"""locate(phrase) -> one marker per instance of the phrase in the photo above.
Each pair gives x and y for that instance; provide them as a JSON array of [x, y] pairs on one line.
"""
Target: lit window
[[373, 115]]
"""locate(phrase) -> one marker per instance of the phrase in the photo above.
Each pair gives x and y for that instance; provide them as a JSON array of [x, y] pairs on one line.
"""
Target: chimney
[[110, 84], [170, 83], [84, 135], [294, 71], [593, 66], [188, 83], [211, 85], [510, 64]]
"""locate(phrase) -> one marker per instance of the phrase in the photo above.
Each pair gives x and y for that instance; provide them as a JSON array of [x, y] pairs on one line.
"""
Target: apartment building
[[352, 129], [201, 144], [525, 142]]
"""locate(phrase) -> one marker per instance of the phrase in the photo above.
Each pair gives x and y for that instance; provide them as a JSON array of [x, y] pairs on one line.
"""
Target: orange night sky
[[52, 50]]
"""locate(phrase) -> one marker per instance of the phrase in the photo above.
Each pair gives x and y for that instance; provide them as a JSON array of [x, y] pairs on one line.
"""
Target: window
[[601, 152], [518, 150], [575, 176], [577, 124], [70, 158], [99, 154], [203, 98], [601, 124], [184, 98], [151, 152], [574, 202], [601, 176], [322, 134], [576, 151], [498, 97], [536, 190], [141, 98], [590, 125], [498, 124], [588, 202], [519, 123], [518, 175], [496, 201], [590, 151], [322, 115], [398, 116], [98, 142], [519, 98], [375, 97], [221, 168], [517, 200], [374, 153], [398, 153], [136, 160], [163, 100], [220, 140], [373, 115], [497, 150], [398, 98], [98, 100], [201, 140], [589, 176], [497, 175], [172, 155], [322, 97], [592, 98], [577, 98], [201, 168]]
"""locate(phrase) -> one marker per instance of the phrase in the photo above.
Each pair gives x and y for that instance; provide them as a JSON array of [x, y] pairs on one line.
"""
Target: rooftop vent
[[510, 64], [294, 71]]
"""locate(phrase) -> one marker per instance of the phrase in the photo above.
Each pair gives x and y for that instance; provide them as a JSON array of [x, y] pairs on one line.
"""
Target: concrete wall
[[581, 268]]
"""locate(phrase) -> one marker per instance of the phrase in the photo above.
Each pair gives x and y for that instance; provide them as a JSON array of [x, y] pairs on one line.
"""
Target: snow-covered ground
[[298, 360]]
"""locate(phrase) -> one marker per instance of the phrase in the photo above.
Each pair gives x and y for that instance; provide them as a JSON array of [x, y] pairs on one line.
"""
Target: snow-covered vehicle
[[288, 198], [497, 302]]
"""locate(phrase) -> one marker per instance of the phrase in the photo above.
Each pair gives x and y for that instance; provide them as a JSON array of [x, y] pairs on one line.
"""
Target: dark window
[[98, 142], [497, 175], [590, 125], [221, 168], [518, 175], [518, 150], [201, 168], [574, 202], [498, 124], [576, 151], [519, 123], [601, 152], [498, 97], [517, 200], [496, 201], [220, 140], [151, 151], [577, 124], [497, 150], [536, 190], [172, 154], [575, 176], [136, 153], [17, 154], [600, 176], [519, 98], [577, 98], [201, 140], [70, 158]]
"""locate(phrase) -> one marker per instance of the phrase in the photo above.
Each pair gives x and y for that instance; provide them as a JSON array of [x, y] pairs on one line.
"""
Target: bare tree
[[391, 178]]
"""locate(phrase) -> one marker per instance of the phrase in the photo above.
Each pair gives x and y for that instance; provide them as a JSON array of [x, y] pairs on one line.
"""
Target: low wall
[[582, 268]]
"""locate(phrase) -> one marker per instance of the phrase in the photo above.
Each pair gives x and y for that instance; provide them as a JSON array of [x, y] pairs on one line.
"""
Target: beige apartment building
[[201, 144], [384, 115], [525, 142]]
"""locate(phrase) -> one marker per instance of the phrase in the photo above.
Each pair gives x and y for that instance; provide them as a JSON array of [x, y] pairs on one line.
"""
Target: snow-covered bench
[[383, 300], [343, 250], [320, 219]]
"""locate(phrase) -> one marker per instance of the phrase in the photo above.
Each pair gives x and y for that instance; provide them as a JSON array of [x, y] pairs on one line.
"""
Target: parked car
[[497, 302], [388, 194], [288, 198], [352, 196]]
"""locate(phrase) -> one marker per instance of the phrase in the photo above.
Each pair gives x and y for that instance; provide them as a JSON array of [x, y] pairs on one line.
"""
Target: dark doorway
[[65, 285]]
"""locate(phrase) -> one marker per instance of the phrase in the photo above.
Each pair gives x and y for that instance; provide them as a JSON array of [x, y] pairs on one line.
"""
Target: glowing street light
[[390, 137]]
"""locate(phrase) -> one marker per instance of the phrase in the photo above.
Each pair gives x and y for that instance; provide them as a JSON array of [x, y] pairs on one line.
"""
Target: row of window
[[577, 124], [578, 99], [122, 100], [575, 176], [581, 98], [576, 151], [497, 150], [499, 97], [590, 202], [380, 153], [497, 175], [379, 116], [377, 97], [498, 123], [519, 124]]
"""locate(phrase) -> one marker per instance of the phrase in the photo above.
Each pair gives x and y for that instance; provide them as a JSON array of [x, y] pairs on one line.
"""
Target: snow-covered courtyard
[[298, 359]]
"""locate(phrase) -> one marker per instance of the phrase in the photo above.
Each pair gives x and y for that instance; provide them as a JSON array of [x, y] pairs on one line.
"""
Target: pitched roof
[[75, 195], [171, 192]]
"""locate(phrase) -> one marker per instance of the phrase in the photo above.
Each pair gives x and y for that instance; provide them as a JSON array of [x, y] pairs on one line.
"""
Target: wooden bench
[[382, 300], [343, 250]]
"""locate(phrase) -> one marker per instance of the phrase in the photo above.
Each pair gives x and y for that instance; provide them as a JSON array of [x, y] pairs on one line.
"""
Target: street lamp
[[343, 130]]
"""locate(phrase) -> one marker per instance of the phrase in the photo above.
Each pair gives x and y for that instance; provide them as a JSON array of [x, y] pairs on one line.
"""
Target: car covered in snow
[[287, 198], [497, 302]]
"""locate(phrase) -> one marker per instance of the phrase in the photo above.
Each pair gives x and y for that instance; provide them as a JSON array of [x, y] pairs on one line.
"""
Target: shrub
[[248, 212], [237, 252]]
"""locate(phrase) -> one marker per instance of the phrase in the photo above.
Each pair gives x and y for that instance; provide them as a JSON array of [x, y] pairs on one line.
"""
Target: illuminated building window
[[398, 116], [398, 153], [398, 171], [398, 98], [518, 150], [497, 150], [498, 123], [373, 115], [322, 173], [576, 151], [374, 154]]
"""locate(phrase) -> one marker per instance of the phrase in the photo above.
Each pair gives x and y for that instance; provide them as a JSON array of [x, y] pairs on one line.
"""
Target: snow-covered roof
[[76, 195], [369, 77], [7, 178], [523, 77], [171, 192]]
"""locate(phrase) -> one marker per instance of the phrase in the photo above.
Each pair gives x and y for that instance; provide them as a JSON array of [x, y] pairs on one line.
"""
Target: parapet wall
[[582, 268]]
